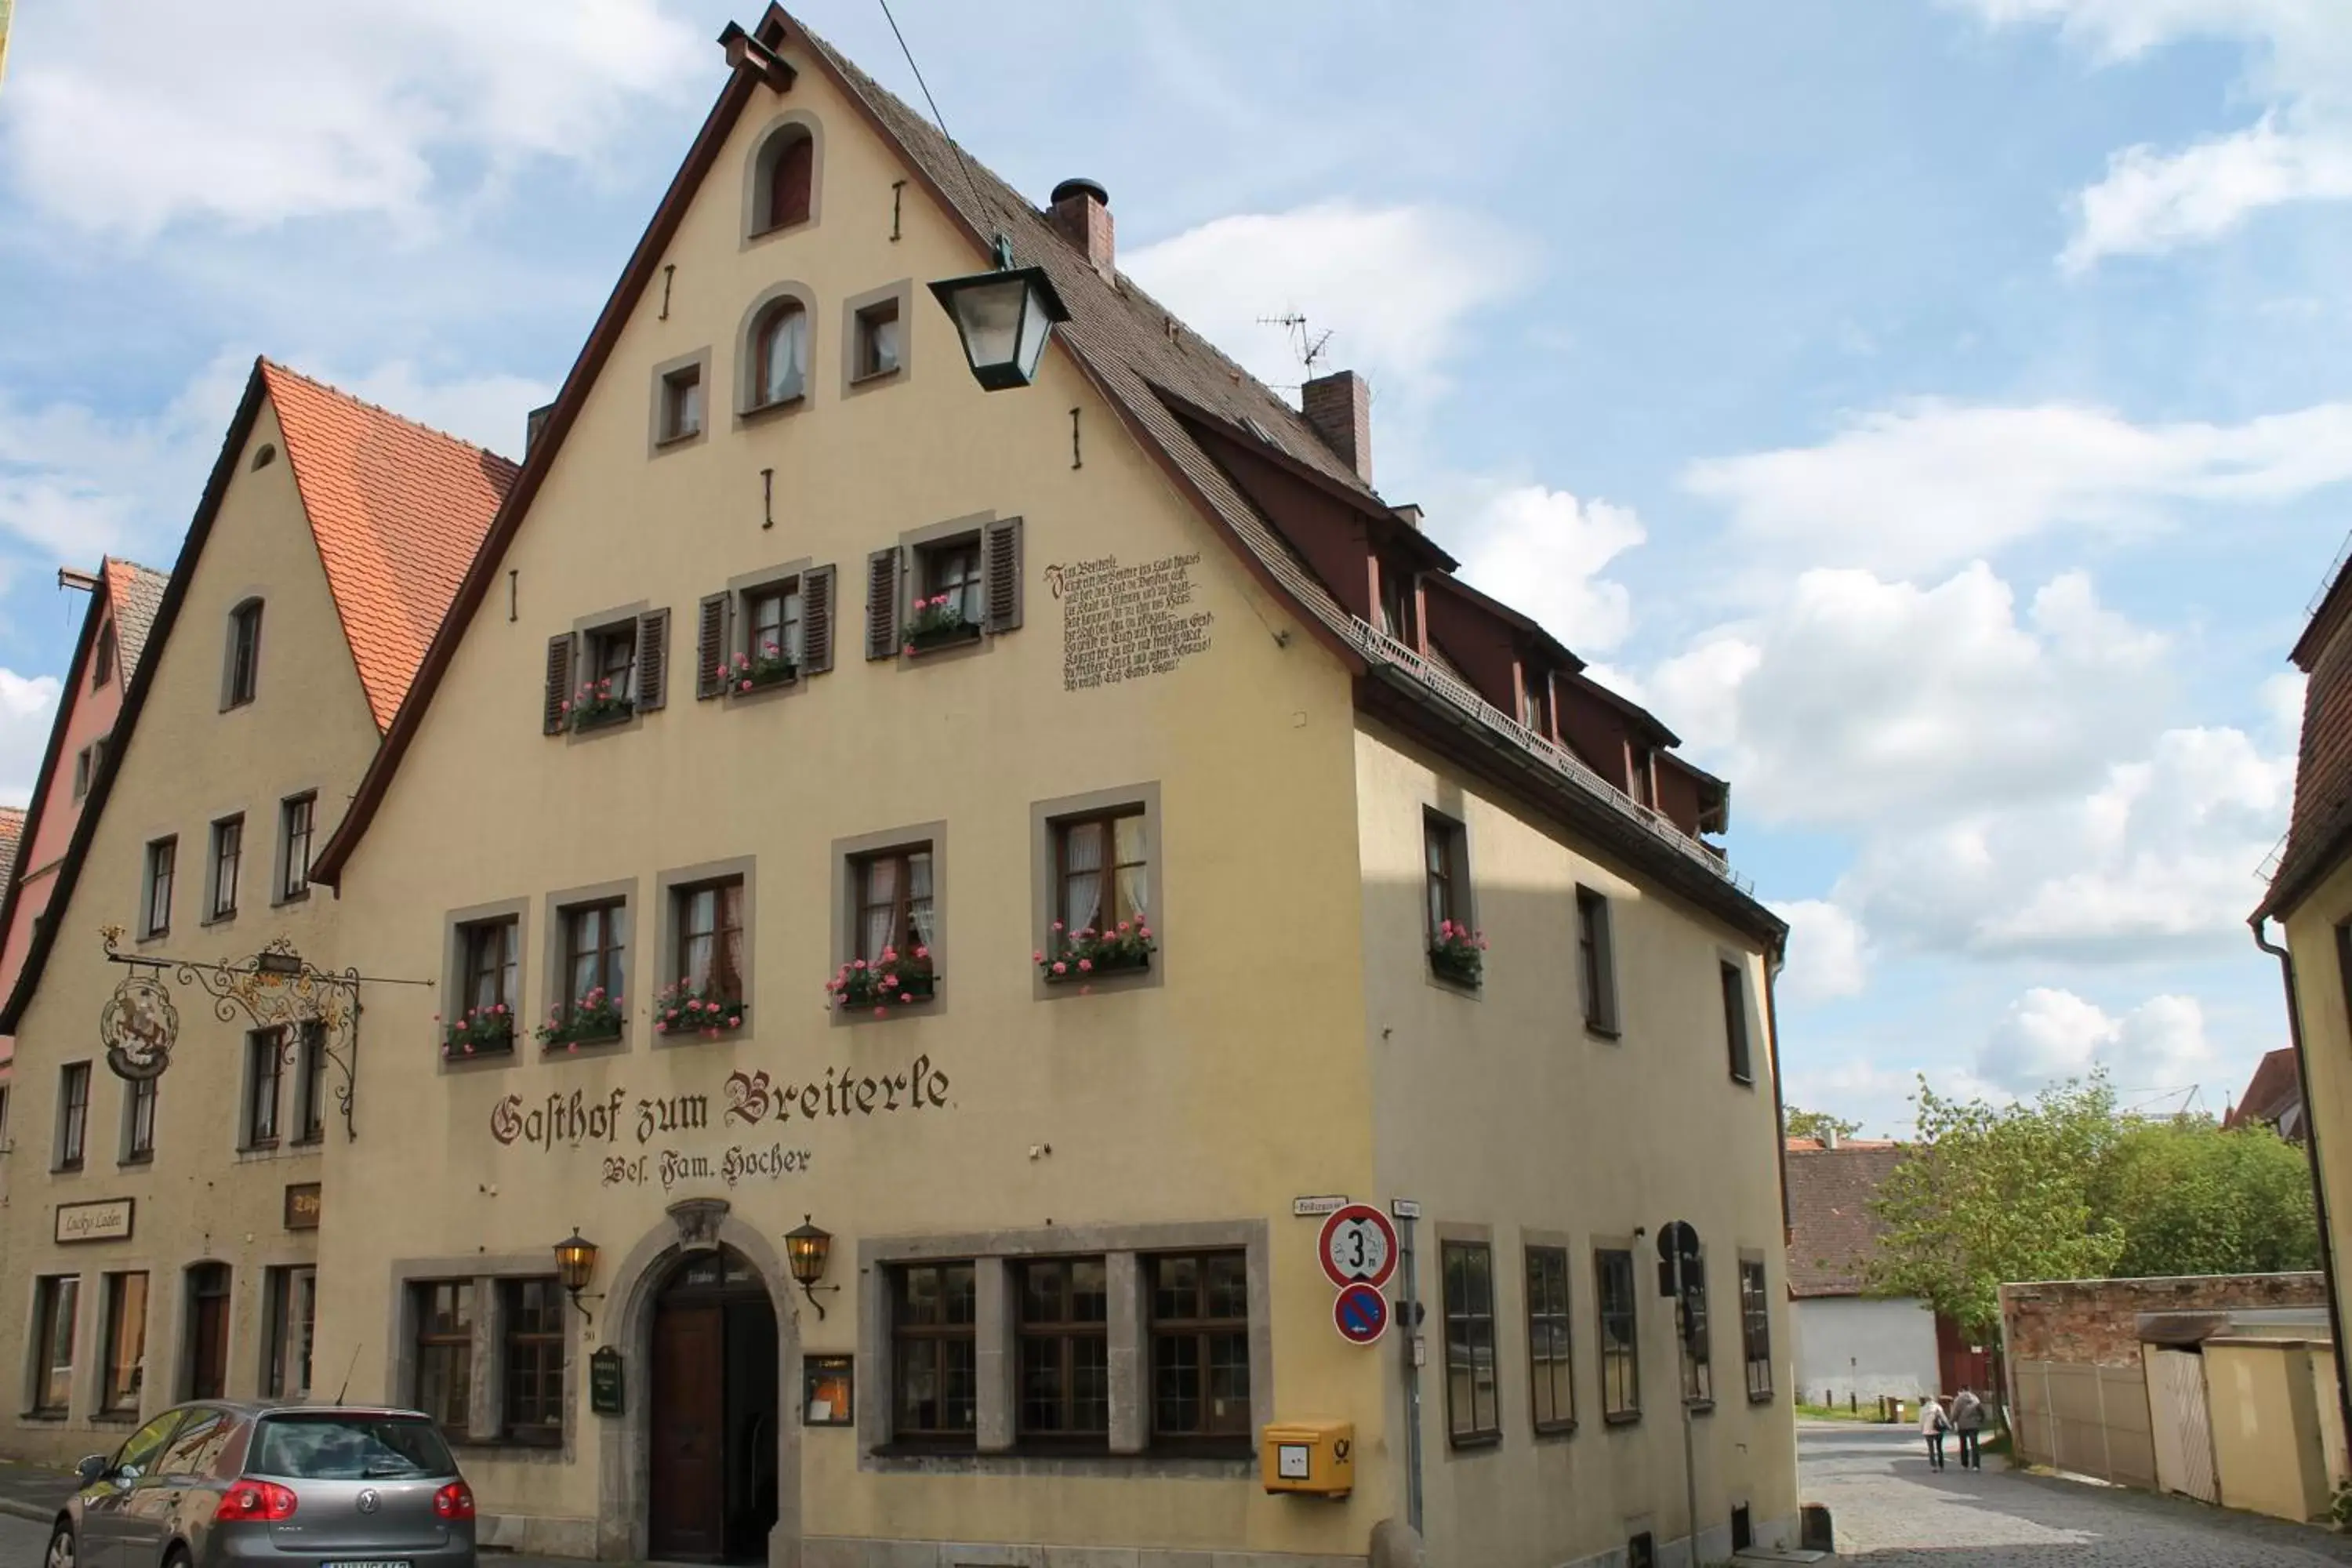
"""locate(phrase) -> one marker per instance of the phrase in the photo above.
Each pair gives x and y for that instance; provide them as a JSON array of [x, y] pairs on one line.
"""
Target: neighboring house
[[157, 1228], [794, 651], [1851, 1347], [2273, 1097], [2310, 899]]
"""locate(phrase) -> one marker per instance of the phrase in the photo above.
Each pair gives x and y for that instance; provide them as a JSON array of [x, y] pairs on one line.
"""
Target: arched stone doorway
[[711, 1390]]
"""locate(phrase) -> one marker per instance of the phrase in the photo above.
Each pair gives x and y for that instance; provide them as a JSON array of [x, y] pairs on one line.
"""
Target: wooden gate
[[2184, 1428]]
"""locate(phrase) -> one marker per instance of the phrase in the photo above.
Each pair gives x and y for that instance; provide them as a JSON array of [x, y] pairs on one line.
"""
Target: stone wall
[[2095, 1322]]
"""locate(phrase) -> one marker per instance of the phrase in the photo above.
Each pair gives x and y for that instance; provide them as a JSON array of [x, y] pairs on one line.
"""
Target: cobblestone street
[[1892, 1510]]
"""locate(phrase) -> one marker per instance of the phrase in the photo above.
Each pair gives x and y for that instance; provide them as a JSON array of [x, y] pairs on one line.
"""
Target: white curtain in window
[[918, 896], [881, 905], [728, 959], [784, 354], [1134, 858], [1082, 859], [700, 912]]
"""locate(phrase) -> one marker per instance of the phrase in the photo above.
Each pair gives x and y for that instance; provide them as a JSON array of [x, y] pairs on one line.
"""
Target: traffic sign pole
[[1411, 1373]]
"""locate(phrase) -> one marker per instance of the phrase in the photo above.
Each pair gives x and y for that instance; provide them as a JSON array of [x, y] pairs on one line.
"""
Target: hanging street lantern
[[807, 1247], [1003, 318], [575, 1265]]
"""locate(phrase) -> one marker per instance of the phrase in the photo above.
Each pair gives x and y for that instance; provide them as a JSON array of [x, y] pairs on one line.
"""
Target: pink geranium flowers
[[1090, 954], [592, 1017], [479, 1031], [938, 620], [893, 980], [769, 664], [687, 1008], [1458, 954], [595, 702]]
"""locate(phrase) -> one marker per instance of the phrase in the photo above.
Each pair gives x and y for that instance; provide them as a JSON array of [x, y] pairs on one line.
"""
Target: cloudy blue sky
[[1938, 410]]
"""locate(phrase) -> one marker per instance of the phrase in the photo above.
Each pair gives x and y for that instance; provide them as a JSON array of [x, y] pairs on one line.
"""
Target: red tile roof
[[398, 511], [2275, 1091], [1831, 1230], [134, 591], [12, 829]]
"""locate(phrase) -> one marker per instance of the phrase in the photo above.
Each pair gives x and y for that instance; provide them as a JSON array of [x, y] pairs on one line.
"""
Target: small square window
[[949, 585], [772, 617], [681, 403], [877, 340]]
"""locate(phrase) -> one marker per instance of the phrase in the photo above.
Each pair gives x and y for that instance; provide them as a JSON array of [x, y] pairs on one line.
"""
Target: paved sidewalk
[[33, 1491], [1892, 1511]]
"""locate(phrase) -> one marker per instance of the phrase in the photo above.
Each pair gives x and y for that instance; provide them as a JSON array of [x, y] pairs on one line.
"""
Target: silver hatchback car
[[221, 1485]]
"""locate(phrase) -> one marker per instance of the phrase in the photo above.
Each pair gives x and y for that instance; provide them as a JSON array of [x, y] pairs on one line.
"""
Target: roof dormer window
[[1396, 602]]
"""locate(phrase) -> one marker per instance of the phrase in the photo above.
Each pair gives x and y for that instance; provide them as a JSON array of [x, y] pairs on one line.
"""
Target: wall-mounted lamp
[[1003, 318], [575, 1265], [806, 1248]]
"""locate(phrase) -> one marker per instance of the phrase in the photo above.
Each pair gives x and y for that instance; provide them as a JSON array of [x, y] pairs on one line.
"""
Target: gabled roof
[[392, 555], [2274, 1092], [1831, 1231], [398, 511]]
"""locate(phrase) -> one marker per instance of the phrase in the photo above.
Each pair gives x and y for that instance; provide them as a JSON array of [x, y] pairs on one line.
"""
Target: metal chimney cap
[[1080, 187]]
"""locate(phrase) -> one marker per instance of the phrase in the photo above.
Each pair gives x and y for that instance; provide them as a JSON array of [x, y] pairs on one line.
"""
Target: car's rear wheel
[[61, 1552]]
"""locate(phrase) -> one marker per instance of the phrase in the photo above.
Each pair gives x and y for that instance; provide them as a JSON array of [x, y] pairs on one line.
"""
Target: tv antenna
[[1308, 346]]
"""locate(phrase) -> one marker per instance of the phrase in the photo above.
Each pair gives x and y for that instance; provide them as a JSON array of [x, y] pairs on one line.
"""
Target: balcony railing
[[1378, 646]]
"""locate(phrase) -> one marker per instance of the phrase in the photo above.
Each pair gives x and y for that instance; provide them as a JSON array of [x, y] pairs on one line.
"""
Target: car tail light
[[255, 1499], [455, 1501]]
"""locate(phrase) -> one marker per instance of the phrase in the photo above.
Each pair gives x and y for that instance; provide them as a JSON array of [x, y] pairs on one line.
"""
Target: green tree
[[2192, 1199], [1818, 1124], [1989, 1193]]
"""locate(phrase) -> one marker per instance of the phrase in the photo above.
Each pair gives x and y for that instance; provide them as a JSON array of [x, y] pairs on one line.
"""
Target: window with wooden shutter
[[816, 621], [1001, 549], [710, 647], [559, 684], [652, 659], [882, 604]]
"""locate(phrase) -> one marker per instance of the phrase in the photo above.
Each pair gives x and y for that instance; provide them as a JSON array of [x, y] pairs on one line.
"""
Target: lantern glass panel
[[989, 316]]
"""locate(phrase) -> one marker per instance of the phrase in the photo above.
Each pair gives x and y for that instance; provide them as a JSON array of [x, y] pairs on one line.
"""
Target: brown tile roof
[[398, 511], [1831, 1231], [135, 592], [12, 831], [2274, 1089]]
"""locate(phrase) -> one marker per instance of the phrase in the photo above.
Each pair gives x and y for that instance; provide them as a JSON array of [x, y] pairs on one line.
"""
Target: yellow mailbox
[[1317, 1459]]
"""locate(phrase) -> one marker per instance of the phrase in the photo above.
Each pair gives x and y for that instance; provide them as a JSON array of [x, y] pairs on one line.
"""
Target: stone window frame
[[914, 546], [1456, 816], [281, 856], [84, 1338], [1628, 1244], [453, 976], [996, 1330], [748, 408], [755, 178], [1564, 1241], [740, 589], [1751, 1021], [1762, 1261], [664, 913], [658, 445], [845, 915], [553, 907], [485, 1394], [148, 931], [1043, 816], [1607, 1021], [902, 293], [208, 898], [1472, 1444]]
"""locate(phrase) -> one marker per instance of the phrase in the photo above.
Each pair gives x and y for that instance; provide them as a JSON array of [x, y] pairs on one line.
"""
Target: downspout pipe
[[1773, 964], [2311, 1153]]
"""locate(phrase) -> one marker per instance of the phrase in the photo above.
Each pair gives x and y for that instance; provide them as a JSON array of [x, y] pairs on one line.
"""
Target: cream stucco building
[[160, 1230], [794, 659]]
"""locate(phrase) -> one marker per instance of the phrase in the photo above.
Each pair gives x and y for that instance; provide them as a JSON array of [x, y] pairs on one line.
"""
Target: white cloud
[[1542, 551], [485, 410], [2050, 1033], [2300, 66], [123, 118], [1859, 702], [1394, 285], [1827, 957], [26, 706], [1930, 484]]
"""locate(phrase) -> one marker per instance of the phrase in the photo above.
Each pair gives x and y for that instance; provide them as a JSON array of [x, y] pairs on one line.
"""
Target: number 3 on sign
[[1358, 1245]]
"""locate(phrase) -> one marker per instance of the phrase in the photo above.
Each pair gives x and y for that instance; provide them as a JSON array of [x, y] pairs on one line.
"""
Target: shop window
[[228, 862], [289, 1315], [874, 341], [1550, 1368], [73, 1115], [296, 819], [531, 1329], [54, 1299], [126, 1344], [265, 1075], [1621, 1373], [1064, 1355], [1199, 1350], [1596, 962], [163, 859], [444, 1351], [1472, 1404], [1735, 1021], [139, 1121], [241, 674], [1697, 1337], [933, 1377], [681, 415], [1756, 1329]]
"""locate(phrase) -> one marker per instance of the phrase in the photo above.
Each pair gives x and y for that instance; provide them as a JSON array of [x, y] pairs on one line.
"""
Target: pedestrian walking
[[1933, 1425], [1968, 1420]]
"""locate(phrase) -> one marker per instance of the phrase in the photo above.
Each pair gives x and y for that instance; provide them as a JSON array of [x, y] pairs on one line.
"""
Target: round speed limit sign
[[1359, 1246]]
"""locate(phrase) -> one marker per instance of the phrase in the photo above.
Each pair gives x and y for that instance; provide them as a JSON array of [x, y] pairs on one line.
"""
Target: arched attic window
[[779, 344], [786, 187]]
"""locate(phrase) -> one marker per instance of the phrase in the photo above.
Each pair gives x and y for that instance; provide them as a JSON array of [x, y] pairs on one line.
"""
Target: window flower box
[[757, 672], [481, 1032], [1074, 958], [894, 980], [594, 706], [686, 1008], [1458, 956], [938, 622], [592, 1020]]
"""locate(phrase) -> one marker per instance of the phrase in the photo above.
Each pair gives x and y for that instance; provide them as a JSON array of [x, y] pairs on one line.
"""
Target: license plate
[[364, 1563]]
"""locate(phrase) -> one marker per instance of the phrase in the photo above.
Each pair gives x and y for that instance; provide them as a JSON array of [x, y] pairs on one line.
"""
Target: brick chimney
[[1081, 215], [1339, 407]]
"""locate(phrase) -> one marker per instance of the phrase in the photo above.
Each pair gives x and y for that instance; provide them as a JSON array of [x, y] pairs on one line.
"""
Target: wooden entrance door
[[687, 1416], [208, 1331]]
